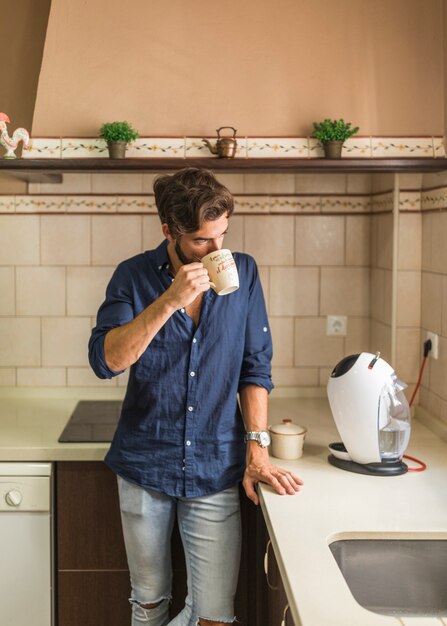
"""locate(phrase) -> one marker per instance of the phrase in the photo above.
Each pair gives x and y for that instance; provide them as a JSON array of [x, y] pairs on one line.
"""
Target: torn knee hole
[[150, 605]]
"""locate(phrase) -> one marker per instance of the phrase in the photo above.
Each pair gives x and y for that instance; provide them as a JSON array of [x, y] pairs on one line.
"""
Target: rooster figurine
[[11, 143]]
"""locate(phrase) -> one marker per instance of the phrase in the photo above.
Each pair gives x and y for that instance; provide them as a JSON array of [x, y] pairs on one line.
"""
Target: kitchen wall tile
[[148, 147], [234, 239], [401, 146], [65, 239], [295, 376], [408, 298], [434, 179], [357, 147], [294, 291], [83, 148], [117, 183], [438, 242], [444, 306], [85, 377], [438, 368], [269, 183], [319, 240], [7, 291], [7, 204], [324, 374], [91, 204], [345, 291], [410, 201], [86, 289], [359, 183], [251, 204], [381, 339], [77, 182], [40, 204], [345, 204], [40, 290], [7, 376], [408, 354], [358, 335], [377, 277], [295, 204], [410, 181], [282, 337], [43, 148], [20, 344], [438, 147], [426, 242], [64, 341], [115, 239], [194, 146], [148, 181], [358, 240], [313, 348], [152, 233], [265, 147], [434, 199], [374, 226], [41, 377], [320, 183], [431, 302], [381, 202], [384, 248], [315, 149], [19, 240], [410, 241], [270, 239], [234, 182], [136, 204]]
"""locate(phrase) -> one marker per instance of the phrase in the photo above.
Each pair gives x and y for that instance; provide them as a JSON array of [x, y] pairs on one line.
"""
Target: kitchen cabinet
[[92, 578]]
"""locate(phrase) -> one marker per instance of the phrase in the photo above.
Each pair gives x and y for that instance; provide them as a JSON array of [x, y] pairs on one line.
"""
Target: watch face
[[264, 439]]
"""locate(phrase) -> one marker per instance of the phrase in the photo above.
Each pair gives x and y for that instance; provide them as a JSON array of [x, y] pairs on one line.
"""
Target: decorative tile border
[[251, 147], [245, 204]]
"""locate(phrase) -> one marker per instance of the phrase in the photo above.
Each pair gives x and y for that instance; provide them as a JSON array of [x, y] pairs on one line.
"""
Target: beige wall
[[267, 68]]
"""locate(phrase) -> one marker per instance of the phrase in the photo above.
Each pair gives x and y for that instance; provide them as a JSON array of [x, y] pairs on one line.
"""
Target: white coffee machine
[[372, 416]]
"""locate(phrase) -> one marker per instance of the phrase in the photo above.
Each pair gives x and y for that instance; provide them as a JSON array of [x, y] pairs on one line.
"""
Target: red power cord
[[422, 465]]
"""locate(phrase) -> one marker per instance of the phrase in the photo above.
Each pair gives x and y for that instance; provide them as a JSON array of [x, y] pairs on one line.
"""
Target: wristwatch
[[262, 437]]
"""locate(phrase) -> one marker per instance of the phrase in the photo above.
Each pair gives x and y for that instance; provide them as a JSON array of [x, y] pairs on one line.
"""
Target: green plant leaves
[[118, 131], [333, 130]]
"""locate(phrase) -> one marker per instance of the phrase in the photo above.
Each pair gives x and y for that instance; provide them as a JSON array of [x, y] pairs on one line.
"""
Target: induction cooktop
[[92, 421]]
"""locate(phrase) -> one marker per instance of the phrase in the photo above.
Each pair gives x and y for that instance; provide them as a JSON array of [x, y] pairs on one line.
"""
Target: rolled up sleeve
[[116, 310], [256, 366]]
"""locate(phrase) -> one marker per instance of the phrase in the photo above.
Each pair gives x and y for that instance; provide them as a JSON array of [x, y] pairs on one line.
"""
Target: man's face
[[209, 238]]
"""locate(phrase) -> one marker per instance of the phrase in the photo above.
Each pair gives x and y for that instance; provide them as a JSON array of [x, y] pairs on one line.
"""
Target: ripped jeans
[[210, 529]]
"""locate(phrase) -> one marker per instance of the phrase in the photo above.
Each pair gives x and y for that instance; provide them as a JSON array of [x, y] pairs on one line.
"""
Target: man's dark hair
[[190, 197]]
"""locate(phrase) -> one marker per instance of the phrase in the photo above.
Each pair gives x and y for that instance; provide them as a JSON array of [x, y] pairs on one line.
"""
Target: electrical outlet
[[434, 352], [336, 325]]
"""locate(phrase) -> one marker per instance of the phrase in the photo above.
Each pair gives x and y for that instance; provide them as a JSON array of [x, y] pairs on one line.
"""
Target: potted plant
[[332, 134], [117, 135]]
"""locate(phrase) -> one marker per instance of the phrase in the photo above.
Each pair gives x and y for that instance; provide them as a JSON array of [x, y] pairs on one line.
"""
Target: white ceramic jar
[[287, 439]]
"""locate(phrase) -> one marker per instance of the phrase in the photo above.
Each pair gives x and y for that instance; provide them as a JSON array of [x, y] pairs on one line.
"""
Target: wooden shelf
[[51, 170]]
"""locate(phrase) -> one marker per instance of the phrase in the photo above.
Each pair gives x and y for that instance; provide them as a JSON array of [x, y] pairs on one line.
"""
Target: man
[[180, 449]]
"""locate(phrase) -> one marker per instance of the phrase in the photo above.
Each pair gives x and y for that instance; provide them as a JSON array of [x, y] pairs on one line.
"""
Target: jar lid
[[287, 427]]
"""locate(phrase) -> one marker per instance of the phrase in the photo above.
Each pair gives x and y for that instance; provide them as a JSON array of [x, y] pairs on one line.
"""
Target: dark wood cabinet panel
[[92, 598], [89, 534]]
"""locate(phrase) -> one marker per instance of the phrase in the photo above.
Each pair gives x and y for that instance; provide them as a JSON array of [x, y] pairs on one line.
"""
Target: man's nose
[[215, 244]]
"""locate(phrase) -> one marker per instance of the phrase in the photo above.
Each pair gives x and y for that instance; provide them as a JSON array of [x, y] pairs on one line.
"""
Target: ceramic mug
[[287, 440], [222, 270]]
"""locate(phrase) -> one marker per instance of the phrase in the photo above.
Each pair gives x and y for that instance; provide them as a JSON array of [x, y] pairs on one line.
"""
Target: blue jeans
[[210, 529]]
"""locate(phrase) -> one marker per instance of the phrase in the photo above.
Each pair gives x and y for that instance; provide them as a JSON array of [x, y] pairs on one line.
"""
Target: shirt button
[[188, 443], [194, 340], [182, 310], [192, 374], [183, 468], [265, 329], [190, 408]]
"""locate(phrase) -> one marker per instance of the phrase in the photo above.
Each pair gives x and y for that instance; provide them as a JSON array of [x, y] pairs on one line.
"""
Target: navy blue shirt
[[181, 430]]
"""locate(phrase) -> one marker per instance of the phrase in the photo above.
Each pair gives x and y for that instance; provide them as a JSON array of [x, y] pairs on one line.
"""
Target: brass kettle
[[225, 146]]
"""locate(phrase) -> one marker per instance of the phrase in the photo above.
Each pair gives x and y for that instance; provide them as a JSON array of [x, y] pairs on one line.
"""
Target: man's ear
[[166, 233]]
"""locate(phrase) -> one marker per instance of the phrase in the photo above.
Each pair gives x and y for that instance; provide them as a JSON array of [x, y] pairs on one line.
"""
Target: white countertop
[[336, 504], [332, 504]]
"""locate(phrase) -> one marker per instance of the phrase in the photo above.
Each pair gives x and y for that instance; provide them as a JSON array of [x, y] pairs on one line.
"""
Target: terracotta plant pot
[[332, 149], [117, 149]]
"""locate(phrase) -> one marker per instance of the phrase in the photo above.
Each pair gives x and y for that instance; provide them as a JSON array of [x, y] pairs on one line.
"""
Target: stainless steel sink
[[395, 576]]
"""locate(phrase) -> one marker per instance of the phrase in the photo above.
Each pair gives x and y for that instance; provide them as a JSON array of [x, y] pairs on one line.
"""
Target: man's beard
[[181, 255]]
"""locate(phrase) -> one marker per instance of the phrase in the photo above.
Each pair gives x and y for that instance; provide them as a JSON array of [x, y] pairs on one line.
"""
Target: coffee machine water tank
[[371, 413]]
